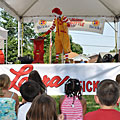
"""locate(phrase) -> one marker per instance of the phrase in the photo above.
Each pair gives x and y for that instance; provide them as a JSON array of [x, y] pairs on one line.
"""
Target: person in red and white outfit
[[62, 41], [2, 59]]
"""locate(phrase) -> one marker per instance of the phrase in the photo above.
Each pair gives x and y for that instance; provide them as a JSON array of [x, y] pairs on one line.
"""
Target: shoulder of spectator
[[83, 101], [61, 99]]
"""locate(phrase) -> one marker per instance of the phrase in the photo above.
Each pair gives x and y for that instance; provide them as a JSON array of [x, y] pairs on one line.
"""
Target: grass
[[91, 105]]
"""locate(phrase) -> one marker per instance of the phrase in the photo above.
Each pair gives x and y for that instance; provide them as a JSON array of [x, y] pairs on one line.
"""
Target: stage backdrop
[[75, 24], [55, 75]]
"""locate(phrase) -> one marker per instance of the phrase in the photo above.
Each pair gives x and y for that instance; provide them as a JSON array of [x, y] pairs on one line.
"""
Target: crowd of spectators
[[37, 105]]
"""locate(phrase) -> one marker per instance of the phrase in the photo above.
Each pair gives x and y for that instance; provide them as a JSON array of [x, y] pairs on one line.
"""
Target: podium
[[38, 50]]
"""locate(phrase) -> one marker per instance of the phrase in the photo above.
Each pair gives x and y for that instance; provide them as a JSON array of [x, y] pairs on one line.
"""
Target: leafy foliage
[[76, 48], [10, 24]]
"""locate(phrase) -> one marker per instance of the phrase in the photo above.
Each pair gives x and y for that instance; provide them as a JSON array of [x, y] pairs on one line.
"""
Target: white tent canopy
[[28, 9], [3, 36], [3, 33]]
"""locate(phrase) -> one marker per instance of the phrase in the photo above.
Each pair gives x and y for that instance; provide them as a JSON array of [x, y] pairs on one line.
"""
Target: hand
[[60, 117], [43, 35]]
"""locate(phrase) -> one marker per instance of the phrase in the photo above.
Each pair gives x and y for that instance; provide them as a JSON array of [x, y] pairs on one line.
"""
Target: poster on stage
[[42, 26], [96, 25]]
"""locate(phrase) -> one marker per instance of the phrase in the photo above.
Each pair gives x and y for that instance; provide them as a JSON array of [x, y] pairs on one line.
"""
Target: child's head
[[118, 78], [73, 88], [108, 92], [29, 90], [43, 108], [4, 81], [34, 76]]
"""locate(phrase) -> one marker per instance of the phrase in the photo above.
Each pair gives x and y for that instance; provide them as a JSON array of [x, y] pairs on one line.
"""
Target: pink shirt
[[72, 112]]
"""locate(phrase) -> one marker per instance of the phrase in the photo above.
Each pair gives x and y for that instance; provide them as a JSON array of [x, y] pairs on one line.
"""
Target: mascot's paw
[[43, 35]]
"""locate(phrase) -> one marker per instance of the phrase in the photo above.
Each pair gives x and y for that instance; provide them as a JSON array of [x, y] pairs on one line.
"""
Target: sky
[[93, 43]]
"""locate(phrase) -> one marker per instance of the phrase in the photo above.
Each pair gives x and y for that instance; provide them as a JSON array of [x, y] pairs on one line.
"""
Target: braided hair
[[73, 88]]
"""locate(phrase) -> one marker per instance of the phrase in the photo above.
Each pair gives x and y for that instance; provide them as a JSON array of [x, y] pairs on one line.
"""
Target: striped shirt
[[64, 20], [72, 111]]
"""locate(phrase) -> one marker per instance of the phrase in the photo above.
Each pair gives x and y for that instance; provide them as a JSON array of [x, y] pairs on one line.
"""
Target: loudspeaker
[[26, 59], [107, 58]]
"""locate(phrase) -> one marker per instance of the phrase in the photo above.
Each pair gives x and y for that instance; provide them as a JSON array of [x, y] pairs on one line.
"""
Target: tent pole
[[19, 24], [22, 39], [118, 45], [62, 57], [50, 49], [6, 48], [116, 35]]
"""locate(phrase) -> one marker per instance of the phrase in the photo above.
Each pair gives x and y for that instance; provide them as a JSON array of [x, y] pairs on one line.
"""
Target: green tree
[[113, 50], [75, 47], [47, 48], [10, 23], [28, 33]]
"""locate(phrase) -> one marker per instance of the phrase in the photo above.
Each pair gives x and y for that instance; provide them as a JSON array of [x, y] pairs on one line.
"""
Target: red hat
[[57, 11]]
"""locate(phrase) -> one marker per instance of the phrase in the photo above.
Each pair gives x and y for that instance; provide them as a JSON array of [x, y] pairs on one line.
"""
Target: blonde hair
[[4, 82]]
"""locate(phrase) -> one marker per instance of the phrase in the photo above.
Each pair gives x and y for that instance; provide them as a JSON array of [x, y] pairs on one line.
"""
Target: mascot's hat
[[57, 11]]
